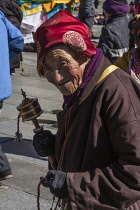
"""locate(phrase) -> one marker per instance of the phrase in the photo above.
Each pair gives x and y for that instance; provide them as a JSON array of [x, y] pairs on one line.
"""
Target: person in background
[[86, 13], [130, 61], [136, 2], [97, 3], [132, 12], [96, 147], [13, 13], [137, 7], [114, 38], [11, 44]]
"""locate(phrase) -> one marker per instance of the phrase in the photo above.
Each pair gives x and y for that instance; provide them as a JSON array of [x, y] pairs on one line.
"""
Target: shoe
[[1, 104], [5, 175], [13, 74], [3, 187]]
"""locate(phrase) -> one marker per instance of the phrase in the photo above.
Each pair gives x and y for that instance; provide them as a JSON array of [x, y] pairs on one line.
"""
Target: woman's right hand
[[44, 143]]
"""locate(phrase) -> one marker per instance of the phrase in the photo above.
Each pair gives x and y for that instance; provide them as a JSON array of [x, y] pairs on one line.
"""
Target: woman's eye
[[63, 63], [47, 68]]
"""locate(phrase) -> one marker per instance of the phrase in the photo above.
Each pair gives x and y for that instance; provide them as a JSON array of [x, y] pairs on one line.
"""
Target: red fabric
[[137, 8], [63, 28]]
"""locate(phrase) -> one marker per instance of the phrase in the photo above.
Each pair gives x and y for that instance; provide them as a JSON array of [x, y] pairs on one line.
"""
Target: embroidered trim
[[52, 20], [75, 40]]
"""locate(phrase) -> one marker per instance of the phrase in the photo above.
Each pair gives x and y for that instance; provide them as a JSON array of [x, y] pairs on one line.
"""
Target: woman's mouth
[[63, 83]]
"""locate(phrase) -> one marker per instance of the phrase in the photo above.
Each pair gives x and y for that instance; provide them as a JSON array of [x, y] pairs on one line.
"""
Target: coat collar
[[92, 83]]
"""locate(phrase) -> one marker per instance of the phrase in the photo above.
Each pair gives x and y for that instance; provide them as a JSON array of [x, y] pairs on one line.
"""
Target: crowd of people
[[96, 147]]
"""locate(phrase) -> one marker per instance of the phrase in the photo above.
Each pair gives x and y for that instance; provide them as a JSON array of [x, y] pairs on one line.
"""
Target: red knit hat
[[63, 28]]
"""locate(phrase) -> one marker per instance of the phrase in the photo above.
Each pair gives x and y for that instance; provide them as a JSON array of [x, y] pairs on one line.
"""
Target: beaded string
[[58, 204], [38, 193]]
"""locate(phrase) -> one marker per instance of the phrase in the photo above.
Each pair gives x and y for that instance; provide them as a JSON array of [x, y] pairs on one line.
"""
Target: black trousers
[[4, 164], [1, 104], [87, 16]]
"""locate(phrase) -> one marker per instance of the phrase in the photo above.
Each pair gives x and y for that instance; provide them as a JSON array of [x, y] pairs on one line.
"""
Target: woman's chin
[[67, 92]]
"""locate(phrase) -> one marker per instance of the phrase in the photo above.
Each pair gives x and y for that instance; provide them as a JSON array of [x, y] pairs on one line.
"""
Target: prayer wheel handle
[[39, 129], [29, 109]]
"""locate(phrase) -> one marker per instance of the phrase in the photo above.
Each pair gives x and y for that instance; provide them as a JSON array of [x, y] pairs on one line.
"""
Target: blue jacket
[[11, 44]]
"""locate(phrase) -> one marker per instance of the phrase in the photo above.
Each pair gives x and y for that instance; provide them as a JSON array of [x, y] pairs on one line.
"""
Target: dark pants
[[1, 104], [87, 16], [4, 164], [15, 62]]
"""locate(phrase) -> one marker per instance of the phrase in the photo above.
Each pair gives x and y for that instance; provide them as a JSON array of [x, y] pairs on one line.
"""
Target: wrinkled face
[[64, 68]]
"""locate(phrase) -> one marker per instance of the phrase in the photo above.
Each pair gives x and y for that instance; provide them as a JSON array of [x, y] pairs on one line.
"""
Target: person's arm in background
[[15, 38], [106, 42], [11, 44], [18, 12], [5, 80]]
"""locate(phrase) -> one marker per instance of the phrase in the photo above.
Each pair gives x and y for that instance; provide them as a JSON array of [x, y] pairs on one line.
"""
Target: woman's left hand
[[56, 181]]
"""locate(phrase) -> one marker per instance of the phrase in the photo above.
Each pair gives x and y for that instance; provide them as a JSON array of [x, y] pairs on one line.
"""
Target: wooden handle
[[38, 128], [53, 162], [35, 123], [51, 158]]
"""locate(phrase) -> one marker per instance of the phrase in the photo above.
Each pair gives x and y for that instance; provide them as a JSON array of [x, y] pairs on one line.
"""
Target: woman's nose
[[57, 76]]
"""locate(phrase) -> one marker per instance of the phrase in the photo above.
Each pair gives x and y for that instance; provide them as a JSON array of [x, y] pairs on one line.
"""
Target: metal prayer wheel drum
[[29, 109]]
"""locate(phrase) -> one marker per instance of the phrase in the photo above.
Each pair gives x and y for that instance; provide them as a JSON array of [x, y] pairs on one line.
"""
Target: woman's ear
[[83, 59]]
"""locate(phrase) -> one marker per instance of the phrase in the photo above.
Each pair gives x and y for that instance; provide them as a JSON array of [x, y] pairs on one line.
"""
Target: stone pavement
[[20, 192]]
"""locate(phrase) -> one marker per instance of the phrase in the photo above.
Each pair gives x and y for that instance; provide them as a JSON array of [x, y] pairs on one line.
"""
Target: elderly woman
[[97, 144]]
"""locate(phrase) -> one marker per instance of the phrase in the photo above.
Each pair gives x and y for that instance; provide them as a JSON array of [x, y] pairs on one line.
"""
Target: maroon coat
[[102, 153]]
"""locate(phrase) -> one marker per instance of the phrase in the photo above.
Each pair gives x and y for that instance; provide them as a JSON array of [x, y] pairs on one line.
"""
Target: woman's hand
[[56, 181], [44, 143]]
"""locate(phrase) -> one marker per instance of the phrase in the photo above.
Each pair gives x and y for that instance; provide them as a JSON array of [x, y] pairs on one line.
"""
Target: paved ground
[[26, 165], [20, 192]]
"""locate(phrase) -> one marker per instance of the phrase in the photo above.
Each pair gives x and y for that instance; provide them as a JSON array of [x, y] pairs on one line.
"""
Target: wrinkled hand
[[44, 143], [56, 181]]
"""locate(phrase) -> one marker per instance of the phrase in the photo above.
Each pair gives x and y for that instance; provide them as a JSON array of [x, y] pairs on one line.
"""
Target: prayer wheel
[[29, 109]]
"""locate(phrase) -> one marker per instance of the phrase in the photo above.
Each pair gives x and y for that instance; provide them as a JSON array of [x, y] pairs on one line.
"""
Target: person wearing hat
[[132, 12], [137, 7], [96, 146], [130, 61], [114, 38]]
